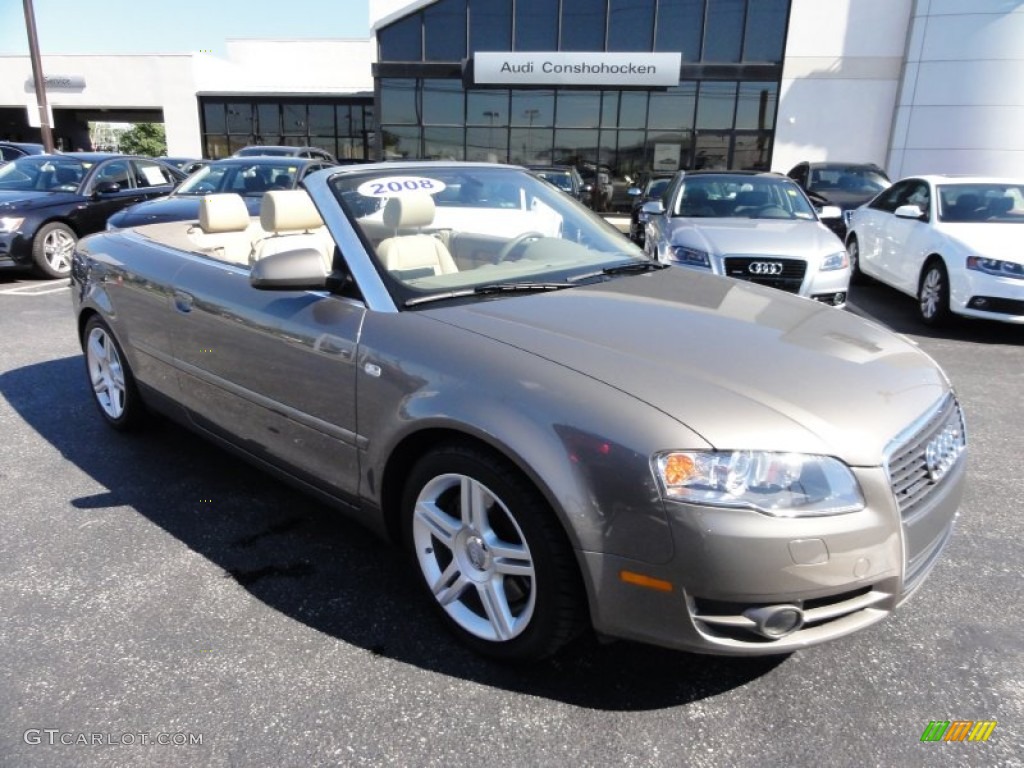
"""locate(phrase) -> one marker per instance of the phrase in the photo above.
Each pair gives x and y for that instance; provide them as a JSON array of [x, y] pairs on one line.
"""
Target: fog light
[[978, 302], [775, 621]]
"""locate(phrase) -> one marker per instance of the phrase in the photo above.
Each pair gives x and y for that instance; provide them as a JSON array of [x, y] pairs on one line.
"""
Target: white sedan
[[949, 241]]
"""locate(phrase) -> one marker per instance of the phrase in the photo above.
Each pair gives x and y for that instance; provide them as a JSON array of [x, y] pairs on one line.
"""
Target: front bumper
[[842, 572], [15, 249], [989, 296]]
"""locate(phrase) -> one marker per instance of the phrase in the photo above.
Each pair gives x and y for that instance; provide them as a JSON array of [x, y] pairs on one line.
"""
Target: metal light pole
[[37, 77]]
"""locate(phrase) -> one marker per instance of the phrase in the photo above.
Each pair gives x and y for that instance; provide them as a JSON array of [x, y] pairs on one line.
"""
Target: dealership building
[[915, 86]]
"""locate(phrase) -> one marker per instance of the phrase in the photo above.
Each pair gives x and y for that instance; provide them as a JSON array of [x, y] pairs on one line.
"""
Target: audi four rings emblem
[[765, 268]]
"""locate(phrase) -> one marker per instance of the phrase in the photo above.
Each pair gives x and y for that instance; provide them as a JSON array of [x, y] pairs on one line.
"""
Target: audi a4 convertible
[[566, 435]]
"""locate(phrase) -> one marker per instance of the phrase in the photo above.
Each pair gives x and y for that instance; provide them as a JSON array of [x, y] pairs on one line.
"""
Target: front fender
[[585, 445]]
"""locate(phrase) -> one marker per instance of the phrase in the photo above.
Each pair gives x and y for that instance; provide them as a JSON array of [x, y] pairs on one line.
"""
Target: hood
[[800, 239], [744, 366], [993, 240], [23, 200], [844, 199]]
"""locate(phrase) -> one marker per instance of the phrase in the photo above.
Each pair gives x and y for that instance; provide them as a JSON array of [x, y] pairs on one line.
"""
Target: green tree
[[147, 139]]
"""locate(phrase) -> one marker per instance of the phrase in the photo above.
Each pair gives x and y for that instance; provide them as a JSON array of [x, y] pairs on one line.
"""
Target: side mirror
[[653, 208], [300, 270], [830, 212], [106, 188], [633, 191], [909, 212]]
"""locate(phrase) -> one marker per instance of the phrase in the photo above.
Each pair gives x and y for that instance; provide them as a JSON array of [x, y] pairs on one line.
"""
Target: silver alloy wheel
[[853, 251], [932, 288], [106, 373], [58, 246], [474, 557]]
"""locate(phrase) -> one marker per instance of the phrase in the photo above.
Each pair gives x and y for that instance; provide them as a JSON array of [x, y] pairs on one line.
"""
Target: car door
[[871, 231], [100, 205], [900, 242], [271, 371]]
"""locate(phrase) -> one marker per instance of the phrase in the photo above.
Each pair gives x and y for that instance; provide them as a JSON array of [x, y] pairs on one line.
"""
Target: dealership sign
[[579, 69], [59, 83]]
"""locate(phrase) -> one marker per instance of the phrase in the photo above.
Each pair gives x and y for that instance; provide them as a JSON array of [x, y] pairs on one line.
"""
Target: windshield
[[1003, 203], [443, 229], [853, 179], [247, 179], [43, 173], [265, 151], [741, 197]]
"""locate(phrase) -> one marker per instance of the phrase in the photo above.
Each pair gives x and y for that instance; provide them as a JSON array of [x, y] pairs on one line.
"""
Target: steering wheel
[[517, 242]]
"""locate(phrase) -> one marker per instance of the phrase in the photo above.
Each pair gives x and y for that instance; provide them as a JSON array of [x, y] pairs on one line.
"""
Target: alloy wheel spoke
[[511, 559], [473, 504], [492, 595], [97, 349], [449, 585], [441, 525]]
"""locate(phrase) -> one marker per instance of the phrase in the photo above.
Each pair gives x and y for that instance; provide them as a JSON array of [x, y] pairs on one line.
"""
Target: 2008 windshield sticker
[[391, 186]]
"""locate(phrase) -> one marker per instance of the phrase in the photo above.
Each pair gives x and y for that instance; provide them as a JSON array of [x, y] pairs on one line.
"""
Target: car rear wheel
[[52, 248], [110, 377], [491, 554], [933, 294], [853, 251]]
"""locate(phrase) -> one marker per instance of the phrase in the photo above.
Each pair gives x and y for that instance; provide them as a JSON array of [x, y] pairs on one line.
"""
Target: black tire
[[52, 248], [853, 251], [110, 378], [933, 294], [521, 616]]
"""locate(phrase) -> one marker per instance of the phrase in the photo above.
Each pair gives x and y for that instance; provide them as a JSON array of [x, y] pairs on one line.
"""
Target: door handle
[[183, 301]]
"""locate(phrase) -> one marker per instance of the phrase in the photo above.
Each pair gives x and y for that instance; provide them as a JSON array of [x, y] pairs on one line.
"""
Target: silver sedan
[[563, 433], [752, 226]]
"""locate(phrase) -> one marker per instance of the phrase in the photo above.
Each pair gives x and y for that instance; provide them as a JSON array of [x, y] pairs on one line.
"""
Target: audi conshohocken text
[[460, 357]]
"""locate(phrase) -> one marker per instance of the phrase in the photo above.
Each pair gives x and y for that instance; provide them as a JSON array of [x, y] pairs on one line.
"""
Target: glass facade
[[343, 126], [720, 115]]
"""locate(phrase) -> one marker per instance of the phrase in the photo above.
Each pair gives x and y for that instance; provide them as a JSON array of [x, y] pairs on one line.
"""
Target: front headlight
[[778, 484], [10, 224], [691, 257], [996, 267], [837, 260]]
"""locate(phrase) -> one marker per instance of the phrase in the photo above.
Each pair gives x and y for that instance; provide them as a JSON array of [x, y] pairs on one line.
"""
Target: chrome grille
[[908, 466], [789, 278]]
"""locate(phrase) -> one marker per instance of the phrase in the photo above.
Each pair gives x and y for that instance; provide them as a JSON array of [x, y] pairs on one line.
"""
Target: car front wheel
[[52, 248], [933, 294], [853, 251], [492, 556], [110, 377]]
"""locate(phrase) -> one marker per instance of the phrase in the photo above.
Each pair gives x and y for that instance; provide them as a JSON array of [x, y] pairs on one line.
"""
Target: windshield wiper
[[629, 268], [490, 288]]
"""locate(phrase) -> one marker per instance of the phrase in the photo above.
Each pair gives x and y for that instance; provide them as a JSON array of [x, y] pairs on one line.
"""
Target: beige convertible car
[[564, 434]]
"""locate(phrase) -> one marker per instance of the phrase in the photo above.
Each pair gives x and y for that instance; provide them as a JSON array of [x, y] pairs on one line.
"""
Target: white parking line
[[34, 289]]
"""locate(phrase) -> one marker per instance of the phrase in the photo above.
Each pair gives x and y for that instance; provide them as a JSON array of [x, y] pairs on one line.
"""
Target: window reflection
[[402, 41], [583, 24], [490, 25], [723, 30], [401, 142], [398, 100], [536, 26], [442, 102], [765, 31], [444, 31], [630, 25], [755, 107], [680, 23], [673, 108], [716, 105], [580, 109], [443, 143], [533, 108]]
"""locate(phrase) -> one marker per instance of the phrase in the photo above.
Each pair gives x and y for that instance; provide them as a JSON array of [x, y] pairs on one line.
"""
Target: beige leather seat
[[221, 219], [291, 222], [413, 253]]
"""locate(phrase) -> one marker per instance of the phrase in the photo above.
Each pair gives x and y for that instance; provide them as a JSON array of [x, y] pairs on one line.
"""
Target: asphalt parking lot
[[164, 604]]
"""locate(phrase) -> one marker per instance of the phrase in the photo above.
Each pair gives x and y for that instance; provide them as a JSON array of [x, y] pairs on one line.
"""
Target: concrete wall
[[961, 101], [840, 80]]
